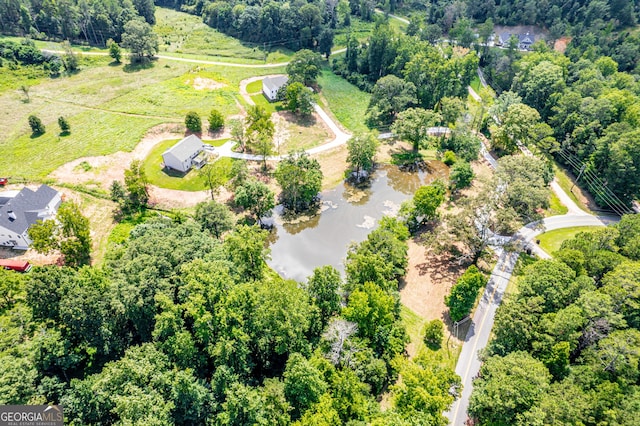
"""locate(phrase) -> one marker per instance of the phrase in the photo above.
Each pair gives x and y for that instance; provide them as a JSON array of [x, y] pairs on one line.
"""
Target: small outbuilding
[[185, 154], [271, 85]]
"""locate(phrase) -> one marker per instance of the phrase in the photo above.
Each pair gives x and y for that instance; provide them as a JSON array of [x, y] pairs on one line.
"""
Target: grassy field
[[414, 324], [270, 107], [555, 206], [346, 101], [566, 183], [552, 240], [189, 182], [186, 35], [108, 107], [303, 133]]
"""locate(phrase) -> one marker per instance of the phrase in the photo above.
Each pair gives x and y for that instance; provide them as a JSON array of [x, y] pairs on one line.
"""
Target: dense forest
[[567, 342], [180, 327], [91, 21]]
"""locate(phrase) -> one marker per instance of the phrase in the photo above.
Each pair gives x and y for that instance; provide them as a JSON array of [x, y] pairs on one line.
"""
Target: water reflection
[[346, 214]]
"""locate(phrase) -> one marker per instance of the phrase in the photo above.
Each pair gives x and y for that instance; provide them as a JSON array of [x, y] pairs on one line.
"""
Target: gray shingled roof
[[275, 82], [23, 206], [186, 148]]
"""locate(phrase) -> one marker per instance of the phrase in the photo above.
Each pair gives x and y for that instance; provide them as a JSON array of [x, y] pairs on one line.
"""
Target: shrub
[[216, 120], [464, 293], [36, 125], [433, 334], [64, 125], [193, 122], [449, 158]]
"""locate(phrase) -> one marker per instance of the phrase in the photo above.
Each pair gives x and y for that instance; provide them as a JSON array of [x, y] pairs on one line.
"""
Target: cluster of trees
[[583, 112], [181, 326], [295, 25], [13, 55], [93, 21], [566, 344], [401, 72]]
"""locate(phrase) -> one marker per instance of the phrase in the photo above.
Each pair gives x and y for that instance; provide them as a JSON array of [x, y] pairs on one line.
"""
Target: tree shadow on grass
[[36, 135], [139, 66]]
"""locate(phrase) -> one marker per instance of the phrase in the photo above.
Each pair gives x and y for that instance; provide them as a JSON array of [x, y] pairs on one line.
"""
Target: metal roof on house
[[275, 83], [25, 206], [186, 148]]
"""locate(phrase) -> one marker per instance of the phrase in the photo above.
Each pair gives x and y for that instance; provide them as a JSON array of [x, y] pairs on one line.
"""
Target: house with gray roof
[[185, 154], [18, 211], [524, 40], [271, 85]]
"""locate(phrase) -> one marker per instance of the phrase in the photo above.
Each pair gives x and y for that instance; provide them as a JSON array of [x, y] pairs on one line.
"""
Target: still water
[[347, 214]]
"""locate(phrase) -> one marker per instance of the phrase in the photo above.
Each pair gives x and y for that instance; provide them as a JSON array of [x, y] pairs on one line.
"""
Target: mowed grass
[[346, 101], [270, 107], [552, 240], [254, 87], [187, 35], [191, 181], [177, 96], [566, 183], [92, 134]]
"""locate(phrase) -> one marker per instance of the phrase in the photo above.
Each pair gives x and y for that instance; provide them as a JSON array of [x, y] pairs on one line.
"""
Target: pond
[[347, 214]]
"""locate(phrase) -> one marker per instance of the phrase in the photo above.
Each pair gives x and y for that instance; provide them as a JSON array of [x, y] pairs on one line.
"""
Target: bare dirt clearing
[[200, 83]]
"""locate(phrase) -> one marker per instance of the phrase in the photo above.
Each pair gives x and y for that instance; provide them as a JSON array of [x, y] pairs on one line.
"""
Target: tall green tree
[[304, 67], [300, 179], [412, 125], [256, 197], [70, 234], [140, 39], [507, 386], [361, 152], [246, 248], [389, 97], [214, 216]]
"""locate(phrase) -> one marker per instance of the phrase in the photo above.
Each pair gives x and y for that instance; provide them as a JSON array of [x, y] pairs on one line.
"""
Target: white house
[[185, 154], [271, 85], [18, 211]]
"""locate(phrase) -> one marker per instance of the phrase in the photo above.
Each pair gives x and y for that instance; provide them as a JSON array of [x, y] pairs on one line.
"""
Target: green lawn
[[185, 35], [555, 206], [346, 101], [475, 84], [566, 183], [254, 87], [552, 240], [414, 324], [270, 107], [189, 182]]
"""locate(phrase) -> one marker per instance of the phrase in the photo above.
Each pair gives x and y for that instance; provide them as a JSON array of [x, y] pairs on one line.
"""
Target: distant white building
[[18, 211], [185, 154], [271, 85]]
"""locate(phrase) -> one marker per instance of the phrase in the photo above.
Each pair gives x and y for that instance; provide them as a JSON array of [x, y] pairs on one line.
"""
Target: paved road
[[477, 338], [479, 332]]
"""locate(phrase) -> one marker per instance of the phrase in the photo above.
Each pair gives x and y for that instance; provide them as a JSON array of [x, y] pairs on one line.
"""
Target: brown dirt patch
[[200, 83], [560, 45], [333, 164], [429, 278]]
